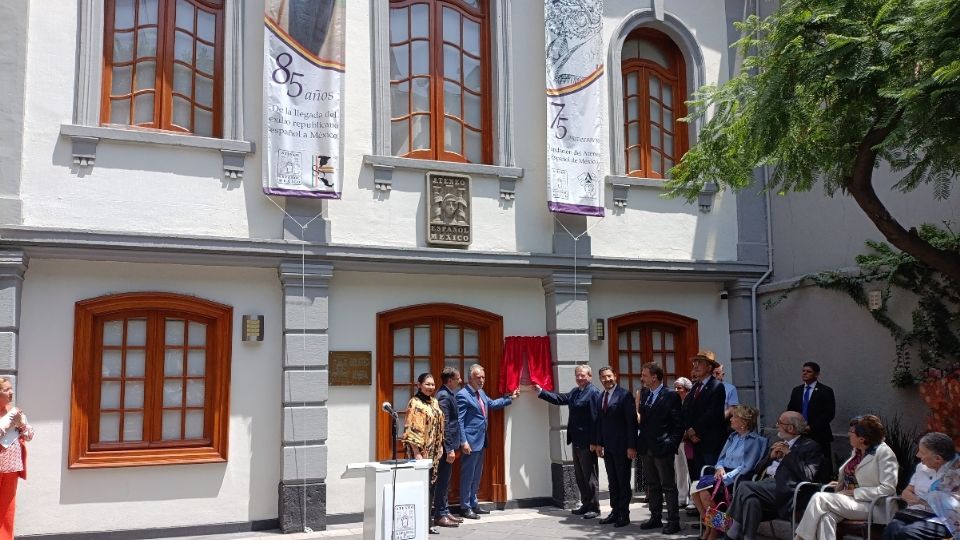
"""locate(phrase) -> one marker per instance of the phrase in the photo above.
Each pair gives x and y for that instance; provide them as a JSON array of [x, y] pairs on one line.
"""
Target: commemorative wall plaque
[[350, 368], [448, 214]]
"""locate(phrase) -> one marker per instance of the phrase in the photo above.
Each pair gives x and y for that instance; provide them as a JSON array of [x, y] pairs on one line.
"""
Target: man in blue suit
[[615, 440], [474, 408], [452, 441], [584, 404]]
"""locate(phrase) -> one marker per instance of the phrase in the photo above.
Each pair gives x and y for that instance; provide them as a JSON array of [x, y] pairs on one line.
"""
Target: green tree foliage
[[829, 89]]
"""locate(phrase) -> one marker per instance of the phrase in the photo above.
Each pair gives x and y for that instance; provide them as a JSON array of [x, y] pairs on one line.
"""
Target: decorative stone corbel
[[508, 187], [233, 164], [382, 177], [84, 150], [706, 197], [620, 194]]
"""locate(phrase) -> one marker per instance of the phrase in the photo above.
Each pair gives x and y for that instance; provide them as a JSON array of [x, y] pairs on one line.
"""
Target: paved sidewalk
[[516, 524]]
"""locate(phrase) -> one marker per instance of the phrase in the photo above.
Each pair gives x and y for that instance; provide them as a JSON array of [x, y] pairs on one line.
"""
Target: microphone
[[388, 408]]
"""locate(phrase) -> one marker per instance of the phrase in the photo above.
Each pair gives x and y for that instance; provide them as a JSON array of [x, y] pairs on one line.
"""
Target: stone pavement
[[515, 524]]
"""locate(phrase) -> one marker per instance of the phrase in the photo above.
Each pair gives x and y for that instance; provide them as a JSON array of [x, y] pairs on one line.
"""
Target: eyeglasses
[[779, 423]]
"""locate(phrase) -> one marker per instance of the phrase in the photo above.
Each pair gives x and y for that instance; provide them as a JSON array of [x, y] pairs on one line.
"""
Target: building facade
[[136, 237]]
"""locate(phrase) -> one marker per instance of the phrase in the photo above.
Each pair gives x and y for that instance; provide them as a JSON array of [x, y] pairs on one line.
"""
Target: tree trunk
[[860, 187]]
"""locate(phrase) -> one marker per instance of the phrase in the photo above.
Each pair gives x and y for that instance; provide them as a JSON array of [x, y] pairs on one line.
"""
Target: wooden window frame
[[84, 450], [685, 346], [676, 76], [162, 119], [437, 151]]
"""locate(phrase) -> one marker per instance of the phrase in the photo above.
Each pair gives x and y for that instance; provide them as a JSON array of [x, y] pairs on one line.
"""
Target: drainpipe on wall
[[753, 297]]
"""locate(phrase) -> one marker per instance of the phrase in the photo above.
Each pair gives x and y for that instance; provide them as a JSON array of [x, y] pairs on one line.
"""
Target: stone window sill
[[383, 167], [85, 138]]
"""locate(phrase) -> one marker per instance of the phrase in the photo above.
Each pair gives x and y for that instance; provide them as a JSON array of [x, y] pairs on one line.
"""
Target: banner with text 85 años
[[303, 69], [574, 83]]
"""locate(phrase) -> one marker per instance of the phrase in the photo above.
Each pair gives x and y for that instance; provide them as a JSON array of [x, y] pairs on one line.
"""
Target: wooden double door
[[426, 338]]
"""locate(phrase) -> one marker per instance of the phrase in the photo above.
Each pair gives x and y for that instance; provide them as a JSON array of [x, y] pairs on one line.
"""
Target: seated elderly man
[[795, 458]]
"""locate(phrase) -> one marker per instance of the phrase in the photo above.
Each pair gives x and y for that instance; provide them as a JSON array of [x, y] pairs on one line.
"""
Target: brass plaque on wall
[[448, 214], [350, 368]]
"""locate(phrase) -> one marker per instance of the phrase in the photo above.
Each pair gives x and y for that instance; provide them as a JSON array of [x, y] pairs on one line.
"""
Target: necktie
[[483, 409], [650, 399], [806, 402], [696, 390], [606, 396]]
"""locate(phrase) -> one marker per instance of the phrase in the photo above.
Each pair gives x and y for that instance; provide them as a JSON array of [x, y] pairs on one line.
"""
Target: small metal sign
[[350, 368], [448, 214]]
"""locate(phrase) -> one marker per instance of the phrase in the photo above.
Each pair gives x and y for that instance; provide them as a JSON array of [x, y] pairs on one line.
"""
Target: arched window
[[163, 65], [151, 381], [439, 80], [654, 91], [660, 337]]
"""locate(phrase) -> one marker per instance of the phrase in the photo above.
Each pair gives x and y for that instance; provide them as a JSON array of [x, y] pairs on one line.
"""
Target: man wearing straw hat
[[702, 413]]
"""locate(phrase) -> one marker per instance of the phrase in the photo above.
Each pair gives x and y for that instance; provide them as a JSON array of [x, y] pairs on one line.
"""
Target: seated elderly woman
[[741, 453], [937, 474], [870, 472]]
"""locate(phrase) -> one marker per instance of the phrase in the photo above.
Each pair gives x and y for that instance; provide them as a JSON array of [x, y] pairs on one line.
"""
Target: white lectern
[[408, 511]]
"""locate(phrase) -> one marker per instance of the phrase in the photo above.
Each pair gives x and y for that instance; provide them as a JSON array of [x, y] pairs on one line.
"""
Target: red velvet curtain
[[526, 354]]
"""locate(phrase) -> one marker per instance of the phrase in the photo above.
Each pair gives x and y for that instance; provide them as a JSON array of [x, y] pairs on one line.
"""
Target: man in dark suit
[[660, 435], [473, 410], [584, 404], [452, 440], [615, 440], [703, 413], [815, 401], [795, 458]]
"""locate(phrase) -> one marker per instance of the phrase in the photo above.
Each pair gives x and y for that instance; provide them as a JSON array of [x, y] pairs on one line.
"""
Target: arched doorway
[[427, 337], [661, 337]]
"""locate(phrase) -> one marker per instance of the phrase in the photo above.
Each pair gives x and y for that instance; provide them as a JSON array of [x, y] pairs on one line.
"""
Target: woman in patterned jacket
[[423, 431]]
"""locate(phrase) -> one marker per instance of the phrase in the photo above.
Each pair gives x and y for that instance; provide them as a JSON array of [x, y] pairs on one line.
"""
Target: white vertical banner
[[303, 67], [573, 91]]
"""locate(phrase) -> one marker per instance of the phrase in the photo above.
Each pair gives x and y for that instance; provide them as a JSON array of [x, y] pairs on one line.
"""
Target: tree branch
[[860, 187]]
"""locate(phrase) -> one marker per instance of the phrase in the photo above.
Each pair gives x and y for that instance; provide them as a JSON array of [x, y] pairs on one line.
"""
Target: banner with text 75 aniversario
[[303, 68], [574, 83]]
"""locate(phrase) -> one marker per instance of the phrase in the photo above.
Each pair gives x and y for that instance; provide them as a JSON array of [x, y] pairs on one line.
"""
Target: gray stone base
[[291, 507], [565, 492]]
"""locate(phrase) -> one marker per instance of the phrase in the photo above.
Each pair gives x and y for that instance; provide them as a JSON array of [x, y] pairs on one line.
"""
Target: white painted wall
[[355, 300], [699, 301], [55, 499], [153, 189]]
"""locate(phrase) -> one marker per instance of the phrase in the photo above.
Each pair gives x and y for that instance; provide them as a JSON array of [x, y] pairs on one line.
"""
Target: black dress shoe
[[651, 524], [622, 522], [481, 511], [612, 518], [580, 511], [469, 514], [591, 514], [672, 527]]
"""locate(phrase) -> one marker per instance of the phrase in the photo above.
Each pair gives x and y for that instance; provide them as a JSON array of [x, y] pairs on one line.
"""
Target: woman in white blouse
[[870, 472], [14, 432]]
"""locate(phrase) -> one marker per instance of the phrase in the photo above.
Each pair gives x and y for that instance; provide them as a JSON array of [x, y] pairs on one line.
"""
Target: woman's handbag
[[716, 515]]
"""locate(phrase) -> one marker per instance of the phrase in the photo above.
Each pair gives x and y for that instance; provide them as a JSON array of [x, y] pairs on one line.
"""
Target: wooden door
[[426, 338]]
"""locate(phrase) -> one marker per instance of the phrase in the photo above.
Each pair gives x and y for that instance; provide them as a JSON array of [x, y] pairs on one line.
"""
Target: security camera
[[724, 294]]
